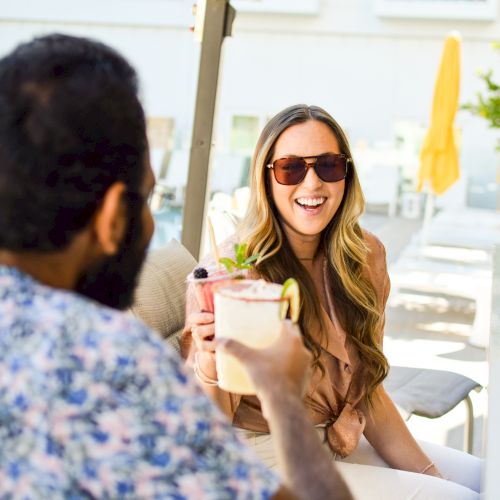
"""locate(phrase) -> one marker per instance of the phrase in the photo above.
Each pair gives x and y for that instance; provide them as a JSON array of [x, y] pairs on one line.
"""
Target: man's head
[[74, 160]]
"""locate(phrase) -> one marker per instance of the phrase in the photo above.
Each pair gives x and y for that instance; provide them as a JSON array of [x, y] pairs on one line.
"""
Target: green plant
[[488, 103], [242, 261]]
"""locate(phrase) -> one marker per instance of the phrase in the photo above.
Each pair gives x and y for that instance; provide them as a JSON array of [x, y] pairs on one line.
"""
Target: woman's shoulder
[[376, 267], [376, 264], [376, 249]]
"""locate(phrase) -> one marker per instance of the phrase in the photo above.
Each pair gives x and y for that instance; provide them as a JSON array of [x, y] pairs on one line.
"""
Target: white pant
[[370, 478]]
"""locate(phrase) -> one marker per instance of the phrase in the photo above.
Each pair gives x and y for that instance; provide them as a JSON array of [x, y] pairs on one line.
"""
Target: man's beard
[[112, 281]]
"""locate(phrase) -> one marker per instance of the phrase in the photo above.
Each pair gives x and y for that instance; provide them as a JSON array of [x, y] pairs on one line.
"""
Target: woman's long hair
[[341, 242]]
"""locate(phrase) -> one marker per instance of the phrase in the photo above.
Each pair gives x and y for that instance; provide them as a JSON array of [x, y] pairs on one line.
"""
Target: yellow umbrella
[[439, 155]]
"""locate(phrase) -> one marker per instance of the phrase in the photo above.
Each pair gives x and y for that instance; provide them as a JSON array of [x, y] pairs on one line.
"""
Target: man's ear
[[110, 220]]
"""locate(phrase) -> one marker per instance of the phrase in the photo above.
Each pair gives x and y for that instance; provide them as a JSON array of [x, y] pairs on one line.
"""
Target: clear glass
[[248, 311]]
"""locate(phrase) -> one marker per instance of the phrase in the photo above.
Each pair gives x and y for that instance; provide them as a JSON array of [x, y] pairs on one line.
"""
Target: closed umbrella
[[439, 155], [439, 166]]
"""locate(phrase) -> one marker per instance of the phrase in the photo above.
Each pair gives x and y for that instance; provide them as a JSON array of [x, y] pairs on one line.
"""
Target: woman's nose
[[311, 179]]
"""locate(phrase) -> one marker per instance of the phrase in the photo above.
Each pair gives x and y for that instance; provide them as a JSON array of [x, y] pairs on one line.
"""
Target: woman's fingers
[[203, 335], [203, 332], [200, 318], [208, 346]]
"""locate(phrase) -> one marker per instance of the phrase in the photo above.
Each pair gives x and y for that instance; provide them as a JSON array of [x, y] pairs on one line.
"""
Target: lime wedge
[[291, 292]]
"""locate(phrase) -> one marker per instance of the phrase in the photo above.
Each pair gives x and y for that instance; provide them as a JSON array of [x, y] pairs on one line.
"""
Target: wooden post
[[219, 16]]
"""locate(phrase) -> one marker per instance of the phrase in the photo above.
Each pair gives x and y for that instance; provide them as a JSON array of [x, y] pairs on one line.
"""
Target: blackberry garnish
[[200, 273]]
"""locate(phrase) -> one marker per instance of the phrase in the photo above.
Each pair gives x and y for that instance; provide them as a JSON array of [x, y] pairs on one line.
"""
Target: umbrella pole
[[428, 213]]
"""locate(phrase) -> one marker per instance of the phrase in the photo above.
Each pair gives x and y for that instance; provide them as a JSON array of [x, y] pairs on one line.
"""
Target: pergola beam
[[217, 23]]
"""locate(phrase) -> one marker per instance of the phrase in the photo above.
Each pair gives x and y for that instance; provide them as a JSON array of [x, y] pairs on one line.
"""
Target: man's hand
[[281, 369]]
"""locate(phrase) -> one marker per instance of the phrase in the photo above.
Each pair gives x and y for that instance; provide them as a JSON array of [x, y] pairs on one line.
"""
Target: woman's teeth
[[310, 202]]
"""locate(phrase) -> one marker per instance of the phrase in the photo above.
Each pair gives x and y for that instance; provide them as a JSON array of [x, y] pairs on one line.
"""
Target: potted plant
[[487, 105]]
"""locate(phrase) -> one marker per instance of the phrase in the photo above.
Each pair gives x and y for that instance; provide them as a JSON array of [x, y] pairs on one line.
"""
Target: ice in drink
[[248, 311]]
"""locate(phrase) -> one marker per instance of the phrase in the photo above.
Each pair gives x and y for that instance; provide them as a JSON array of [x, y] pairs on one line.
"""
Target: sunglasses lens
[[328, 167], [289, 171], [331, 168]]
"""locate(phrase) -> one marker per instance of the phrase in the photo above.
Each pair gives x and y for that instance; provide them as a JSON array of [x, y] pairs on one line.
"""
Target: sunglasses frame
[[309, 165]]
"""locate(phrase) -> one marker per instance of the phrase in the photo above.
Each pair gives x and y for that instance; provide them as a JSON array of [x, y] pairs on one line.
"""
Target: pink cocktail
[[204, 287]]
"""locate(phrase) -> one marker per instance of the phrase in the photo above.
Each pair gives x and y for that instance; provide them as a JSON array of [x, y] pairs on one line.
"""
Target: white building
[[371, 63]]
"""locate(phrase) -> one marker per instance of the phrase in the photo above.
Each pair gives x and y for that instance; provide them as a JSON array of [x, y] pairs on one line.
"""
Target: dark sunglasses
[[329, 167]]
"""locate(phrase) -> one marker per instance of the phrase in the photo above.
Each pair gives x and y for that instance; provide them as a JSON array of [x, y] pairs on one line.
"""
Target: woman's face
[[308, 207]]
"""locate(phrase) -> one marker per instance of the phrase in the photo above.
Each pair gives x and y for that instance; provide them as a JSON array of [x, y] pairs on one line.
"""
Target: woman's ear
[[110, 220]]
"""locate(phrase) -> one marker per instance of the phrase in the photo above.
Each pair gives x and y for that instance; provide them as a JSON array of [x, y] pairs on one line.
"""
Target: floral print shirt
[[95, 405]]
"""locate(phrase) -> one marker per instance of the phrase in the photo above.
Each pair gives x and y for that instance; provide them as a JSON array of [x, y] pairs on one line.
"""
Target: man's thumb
[[235, 348]]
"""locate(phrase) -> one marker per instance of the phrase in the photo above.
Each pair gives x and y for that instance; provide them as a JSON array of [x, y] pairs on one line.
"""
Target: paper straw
[[213, 242]]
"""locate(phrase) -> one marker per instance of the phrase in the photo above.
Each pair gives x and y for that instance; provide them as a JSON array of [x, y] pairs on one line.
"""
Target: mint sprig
[[242, 261]]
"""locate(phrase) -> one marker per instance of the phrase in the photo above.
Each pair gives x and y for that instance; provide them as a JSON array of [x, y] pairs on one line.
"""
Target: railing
[[492, 479]]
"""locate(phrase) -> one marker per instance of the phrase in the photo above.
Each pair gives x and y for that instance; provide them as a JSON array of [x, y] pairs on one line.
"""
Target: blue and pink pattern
[[94, 405]]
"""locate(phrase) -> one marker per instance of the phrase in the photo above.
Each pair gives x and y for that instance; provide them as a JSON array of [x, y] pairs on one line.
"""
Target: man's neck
[[47, 269], [58, 269]]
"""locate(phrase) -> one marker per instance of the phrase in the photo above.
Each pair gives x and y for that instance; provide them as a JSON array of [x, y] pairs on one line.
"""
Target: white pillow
[[161, 294]]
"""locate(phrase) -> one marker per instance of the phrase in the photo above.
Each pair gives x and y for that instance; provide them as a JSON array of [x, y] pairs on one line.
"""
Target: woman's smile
[[311, 205]]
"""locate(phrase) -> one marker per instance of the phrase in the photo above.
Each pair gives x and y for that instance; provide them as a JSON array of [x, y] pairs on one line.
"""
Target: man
[[92, 403]]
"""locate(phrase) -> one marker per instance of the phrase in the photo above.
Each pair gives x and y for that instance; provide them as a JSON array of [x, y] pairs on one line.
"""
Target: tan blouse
[[333, 399]]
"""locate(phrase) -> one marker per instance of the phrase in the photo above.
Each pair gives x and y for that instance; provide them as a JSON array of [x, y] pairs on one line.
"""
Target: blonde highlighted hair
[[341, 242]]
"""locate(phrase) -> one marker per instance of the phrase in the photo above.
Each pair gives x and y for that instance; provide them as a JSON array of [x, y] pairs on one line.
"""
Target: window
[[160, 132], [167, 200], [244, 134], [278, 6], [471, 10]]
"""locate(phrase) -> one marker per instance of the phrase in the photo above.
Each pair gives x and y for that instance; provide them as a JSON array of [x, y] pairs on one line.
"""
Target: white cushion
[[160, 295]]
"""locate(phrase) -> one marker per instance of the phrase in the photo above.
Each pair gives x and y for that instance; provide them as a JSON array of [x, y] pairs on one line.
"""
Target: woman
[[303, 220]]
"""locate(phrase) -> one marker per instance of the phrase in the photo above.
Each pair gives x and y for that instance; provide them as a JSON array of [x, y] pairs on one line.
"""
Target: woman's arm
[[385, 429], [198, 347], [388, 434]]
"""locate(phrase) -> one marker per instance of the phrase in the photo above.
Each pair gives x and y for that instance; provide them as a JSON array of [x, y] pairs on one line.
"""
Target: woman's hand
[[387, 432], [202, 357], [202, 331]]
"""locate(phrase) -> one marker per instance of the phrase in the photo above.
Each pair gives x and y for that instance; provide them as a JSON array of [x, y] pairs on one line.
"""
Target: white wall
[[160, 47], [368, 71]]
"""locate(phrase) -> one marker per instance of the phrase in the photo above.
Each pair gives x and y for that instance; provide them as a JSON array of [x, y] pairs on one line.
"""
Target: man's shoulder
[[116, 330], [90, 315], [66, 319]]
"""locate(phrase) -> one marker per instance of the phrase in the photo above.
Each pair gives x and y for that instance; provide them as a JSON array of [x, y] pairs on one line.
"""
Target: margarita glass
[[249, 311]]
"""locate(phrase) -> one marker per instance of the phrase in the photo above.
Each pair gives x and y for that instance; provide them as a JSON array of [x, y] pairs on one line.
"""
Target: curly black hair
[[71, 124]]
